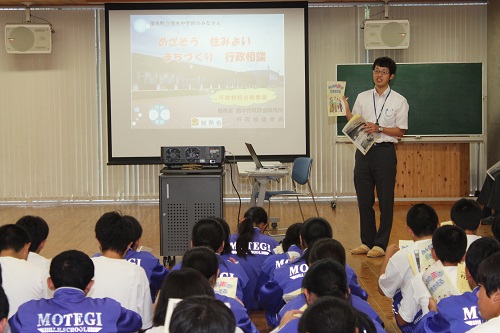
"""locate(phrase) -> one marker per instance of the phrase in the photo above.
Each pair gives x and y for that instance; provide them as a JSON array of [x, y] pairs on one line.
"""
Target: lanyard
[[382, 109]]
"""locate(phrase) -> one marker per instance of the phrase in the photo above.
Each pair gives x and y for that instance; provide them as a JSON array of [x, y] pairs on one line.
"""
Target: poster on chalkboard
[[335, 92]]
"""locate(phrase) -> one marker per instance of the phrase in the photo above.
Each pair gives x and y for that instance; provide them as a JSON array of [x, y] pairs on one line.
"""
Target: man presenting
[[386, 115]]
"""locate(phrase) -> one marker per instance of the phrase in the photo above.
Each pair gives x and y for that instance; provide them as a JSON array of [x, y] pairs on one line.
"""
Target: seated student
[[71, 274], [22, 280], [328, 248], [330, 315], [396, 271], [466, 214], [115, 277], [38, 230], [178, 284], [488, 295], [449, 243], [489, 197], [288, 278], [325, 277], [204, 260], [4, 306], [210, 233], [251, 247], [201, 314], [291, 251], [459, 313], [155, 271]]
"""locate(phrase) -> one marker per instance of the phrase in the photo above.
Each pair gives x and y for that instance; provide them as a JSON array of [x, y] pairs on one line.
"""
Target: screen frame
[[117, 160]]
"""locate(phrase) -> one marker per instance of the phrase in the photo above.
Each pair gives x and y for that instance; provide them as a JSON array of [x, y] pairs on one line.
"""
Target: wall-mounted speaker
[[28, 38], [387, 34]]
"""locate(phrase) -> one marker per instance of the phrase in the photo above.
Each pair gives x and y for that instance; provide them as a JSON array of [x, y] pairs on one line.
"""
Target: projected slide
[[207, 71], [197, 74]]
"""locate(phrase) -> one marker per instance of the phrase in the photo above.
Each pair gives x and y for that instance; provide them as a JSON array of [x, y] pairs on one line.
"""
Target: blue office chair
[[301, 171]]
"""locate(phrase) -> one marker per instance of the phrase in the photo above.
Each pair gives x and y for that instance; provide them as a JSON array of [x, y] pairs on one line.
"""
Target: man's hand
[[370, 127], [289, 315], [432, 305]]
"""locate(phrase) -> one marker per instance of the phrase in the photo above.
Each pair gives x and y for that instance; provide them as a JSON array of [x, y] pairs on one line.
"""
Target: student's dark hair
[[202, 314], [136, 225], [203, 259], [37, 228], [254, 216], [326, 277], [315, 228], [114, 232], [71, 268], [13, 237], [479, 250], [4, 302], [180, 284], [328, 315], [488, 275], [385, 62], [422, 219], [209, 233], [466, 213], [325, 248], [227, 231], [449, 243], [292, 236], [495, 227]]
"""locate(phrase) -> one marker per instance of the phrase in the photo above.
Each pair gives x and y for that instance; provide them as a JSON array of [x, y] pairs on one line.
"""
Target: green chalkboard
[[444, 98]]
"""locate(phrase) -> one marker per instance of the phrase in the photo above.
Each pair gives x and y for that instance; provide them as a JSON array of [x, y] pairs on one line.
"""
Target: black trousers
[[375, 171], [490, 193]]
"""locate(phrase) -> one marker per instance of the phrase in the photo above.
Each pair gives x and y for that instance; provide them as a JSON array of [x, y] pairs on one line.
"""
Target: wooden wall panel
[[432, 170]]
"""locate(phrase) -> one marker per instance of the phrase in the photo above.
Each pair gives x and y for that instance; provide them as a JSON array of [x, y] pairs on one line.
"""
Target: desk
[[260, 180]]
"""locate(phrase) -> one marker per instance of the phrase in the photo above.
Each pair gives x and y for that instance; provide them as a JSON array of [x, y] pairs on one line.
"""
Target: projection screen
[[207, 74]]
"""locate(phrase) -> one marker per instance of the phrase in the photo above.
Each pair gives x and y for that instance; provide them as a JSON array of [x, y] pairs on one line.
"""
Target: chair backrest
[[301, 169]]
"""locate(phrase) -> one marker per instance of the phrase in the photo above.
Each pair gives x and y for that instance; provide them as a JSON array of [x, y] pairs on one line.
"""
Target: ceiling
[[43, 3]]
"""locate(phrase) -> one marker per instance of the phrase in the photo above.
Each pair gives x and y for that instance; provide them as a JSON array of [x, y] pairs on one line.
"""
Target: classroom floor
[[72, 227]]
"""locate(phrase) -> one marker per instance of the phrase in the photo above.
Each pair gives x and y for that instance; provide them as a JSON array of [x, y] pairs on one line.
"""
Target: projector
[[204, 155]]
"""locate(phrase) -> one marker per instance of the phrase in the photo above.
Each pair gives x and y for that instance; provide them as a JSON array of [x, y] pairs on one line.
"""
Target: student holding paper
[[396, 271], [386, 115], [449, 243]]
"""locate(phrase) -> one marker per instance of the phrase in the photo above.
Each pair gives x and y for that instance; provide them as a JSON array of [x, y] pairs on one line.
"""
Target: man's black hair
[[422, 219], [385, 62], [202, 314], [324, 248], [114, 232], [209, 233], [13, 237], [479, 250], [37, 228], [449, 243], [4, 302], [466, 213], [136, 225], [488, 275], [203, 259], [71, 268], [315, 228]]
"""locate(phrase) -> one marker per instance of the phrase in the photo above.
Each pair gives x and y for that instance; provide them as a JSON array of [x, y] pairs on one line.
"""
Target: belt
[[383, 144]]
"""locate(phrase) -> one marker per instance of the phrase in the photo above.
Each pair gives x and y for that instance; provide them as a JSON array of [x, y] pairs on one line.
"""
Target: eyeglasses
[[378, 71]]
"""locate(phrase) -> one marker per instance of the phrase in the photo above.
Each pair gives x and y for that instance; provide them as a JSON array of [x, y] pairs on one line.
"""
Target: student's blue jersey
[[69, 308], [261, 247], [455, 314], [240, 314], [227, 268]]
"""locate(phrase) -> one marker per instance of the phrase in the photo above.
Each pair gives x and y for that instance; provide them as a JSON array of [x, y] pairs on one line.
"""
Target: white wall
[[52, 107]]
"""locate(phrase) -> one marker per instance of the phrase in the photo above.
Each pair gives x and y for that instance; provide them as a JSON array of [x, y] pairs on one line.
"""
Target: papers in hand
[[354, 131], [226, 286], [421, 257], [494, 171], [336, 104], [438, 282]]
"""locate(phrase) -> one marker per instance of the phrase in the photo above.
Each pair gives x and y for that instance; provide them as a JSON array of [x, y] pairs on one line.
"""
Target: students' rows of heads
[[414, 308]]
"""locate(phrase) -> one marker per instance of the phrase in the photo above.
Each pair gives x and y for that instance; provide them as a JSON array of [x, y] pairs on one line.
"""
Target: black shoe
[[488, 220]]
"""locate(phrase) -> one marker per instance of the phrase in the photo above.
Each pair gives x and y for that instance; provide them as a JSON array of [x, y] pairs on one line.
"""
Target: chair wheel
[[333, 204]]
